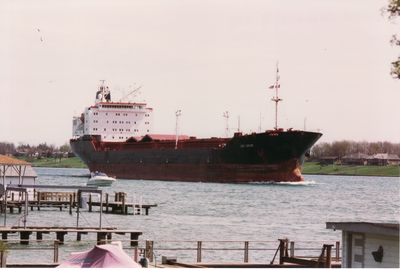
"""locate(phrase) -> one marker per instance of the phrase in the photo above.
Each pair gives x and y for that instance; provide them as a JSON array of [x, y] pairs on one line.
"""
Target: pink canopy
[[101, 256]]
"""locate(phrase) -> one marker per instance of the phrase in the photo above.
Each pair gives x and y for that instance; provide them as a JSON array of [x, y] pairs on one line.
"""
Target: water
[[243, 212]]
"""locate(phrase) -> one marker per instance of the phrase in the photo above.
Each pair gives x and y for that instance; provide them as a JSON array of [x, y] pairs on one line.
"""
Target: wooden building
[[384, 159], [368, 245], [355, 159]]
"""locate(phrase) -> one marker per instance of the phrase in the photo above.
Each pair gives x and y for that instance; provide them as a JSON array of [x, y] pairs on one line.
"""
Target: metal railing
[[189, 251]]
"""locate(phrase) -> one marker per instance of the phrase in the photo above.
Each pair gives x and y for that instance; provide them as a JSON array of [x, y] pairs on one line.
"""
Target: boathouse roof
[[6, 160], [389, 229]]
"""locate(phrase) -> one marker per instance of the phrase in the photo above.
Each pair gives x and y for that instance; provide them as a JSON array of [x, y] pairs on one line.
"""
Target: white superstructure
[[113, 121]]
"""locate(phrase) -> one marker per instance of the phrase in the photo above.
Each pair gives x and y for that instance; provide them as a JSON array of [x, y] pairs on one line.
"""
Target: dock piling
[[199, 244], [291, 248], [134, 239], [24, 237], [39, 236], [246, 251], [55, 256], [106, 202], [90, 202], [60, 237], [337, 251], [149, 250], [70, 203]]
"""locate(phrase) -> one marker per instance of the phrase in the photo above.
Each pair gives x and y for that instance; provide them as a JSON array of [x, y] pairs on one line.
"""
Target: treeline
[[343, 148], [40, 150]]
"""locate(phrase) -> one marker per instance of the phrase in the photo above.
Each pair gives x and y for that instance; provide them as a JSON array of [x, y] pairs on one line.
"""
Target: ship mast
[[177, 114], [276, 98], [226, 116]]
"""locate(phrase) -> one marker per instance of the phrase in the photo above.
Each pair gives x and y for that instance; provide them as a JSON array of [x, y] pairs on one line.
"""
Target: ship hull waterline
[[221, 173]]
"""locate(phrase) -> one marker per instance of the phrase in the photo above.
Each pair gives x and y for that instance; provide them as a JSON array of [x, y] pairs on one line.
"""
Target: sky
[[203, 57]]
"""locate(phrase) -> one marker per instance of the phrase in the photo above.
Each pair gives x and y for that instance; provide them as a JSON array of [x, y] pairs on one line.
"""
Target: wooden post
[[149, 250], [24, 237], [106, 202], [39, 236], [60, 237], [70, 204], [3, 259], [101, 238], [328, 260], [123, 205], [291, 249], [246, 251], [199, 243], [337, 251], [55, 257], [134, 239], [281, 250], [136, 254], [90, 202], [38, 200]]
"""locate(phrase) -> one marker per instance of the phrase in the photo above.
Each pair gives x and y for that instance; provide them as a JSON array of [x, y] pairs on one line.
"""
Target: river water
[[224, 212]]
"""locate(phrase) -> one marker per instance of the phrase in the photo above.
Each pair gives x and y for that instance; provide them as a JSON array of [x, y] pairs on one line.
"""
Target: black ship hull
[[260, 157]]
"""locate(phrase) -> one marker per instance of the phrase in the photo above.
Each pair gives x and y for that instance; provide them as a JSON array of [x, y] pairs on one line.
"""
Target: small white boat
[[100, 179]]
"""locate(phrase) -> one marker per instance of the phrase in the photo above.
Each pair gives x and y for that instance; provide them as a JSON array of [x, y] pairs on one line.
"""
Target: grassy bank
[[73, 162], [308, 168], [315, 168]]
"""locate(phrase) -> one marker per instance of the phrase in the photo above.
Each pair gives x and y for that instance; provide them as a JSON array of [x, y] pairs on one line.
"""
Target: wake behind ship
[[116, 138]]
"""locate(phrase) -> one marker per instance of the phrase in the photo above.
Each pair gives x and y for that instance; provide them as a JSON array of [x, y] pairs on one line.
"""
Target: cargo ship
[[117, 138]]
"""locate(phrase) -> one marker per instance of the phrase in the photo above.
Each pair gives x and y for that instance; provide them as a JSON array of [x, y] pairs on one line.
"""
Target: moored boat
[[100, 179]]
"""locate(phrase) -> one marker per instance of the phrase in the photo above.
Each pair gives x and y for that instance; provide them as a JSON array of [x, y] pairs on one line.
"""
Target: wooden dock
[[122, 208], [68, 200], [103, 234]]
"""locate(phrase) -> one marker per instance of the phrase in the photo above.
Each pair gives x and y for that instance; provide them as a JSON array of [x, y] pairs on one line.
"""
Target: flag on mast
[[274, 86]]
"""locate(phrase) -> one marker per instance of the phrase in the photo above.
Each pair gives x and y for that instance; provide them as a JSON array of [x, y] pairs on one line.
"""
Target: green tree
[[65, 148]]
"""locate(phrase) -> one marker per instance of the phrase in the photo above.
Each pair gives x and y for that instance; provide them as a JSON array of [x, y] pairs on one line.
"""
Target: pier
[[103, 234], [69, 200]]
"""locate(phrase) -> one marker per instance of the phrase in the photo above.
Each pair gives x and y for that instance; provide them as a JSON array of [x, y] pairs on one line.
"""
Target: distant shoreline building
[[380, 159]]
